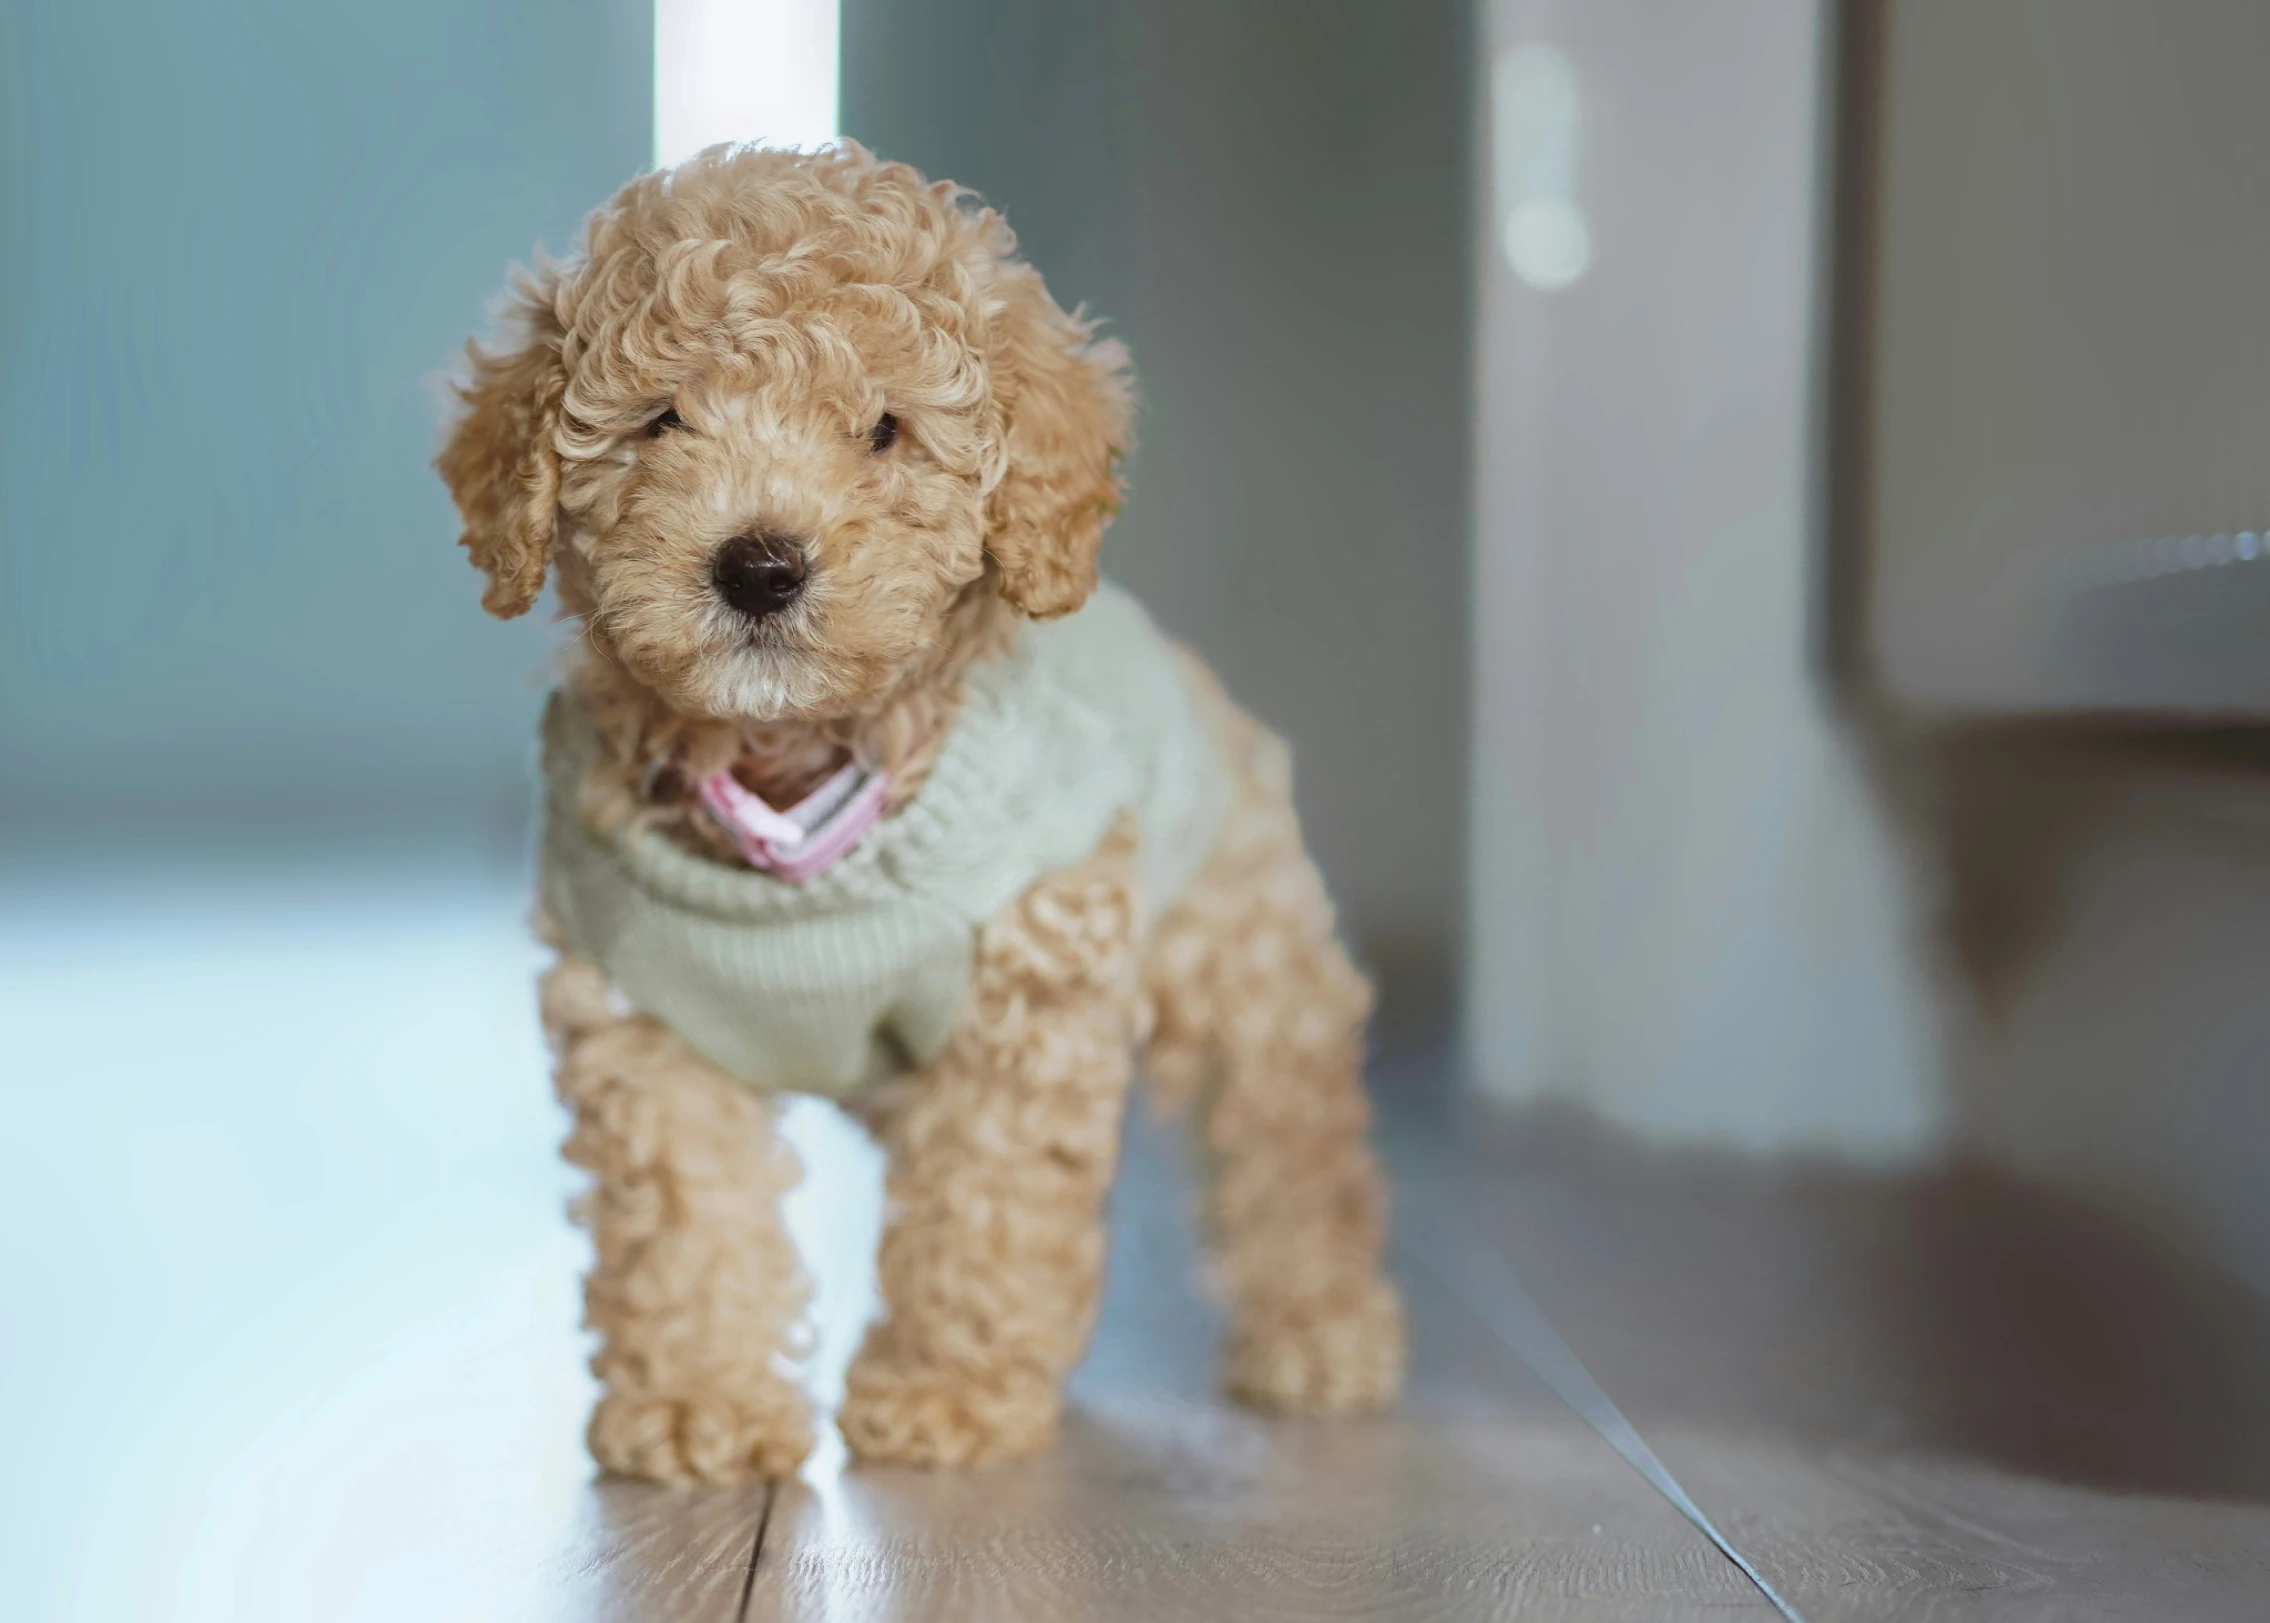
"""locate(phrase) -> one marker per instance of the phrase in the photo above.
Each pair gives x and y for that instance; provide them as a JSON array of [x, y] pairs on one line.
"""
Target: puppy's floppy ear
[[501, 466], [1065, 401]]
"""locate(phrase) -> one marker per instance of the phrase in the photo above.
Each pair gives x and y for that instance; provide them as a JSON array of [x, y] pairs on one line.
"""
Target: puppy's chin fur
[[754, 675], [765, 685], [814, 664]]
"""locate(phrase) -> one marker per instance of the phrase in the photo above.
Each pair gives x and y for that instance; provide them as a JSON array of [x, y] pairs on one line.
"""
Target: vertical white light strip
[[743, 70]]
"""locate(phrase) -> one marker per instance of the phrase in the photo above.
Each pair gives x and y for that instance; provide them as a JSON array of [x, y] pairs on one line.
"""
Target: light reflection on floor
[[290, 1320]]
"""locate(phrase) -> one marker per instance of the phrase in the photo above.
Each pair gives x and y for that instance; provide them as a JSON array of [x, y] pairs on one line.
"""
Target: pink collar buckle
[[810, 837]]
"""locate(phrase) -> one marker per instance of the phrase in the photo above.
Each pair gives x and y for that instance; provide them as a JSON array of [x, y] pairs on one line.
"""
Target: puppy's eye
[[664, 423], [884, 434]]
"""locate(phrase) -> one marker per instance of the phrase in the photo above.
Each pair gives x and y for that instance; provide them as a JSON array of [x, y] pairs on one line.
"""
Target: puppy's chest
[[864, 969]]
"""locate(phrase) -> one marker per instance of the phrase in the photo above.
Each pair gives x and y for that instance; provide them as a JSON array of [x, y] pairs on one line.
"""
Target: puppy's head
[[781, 416]]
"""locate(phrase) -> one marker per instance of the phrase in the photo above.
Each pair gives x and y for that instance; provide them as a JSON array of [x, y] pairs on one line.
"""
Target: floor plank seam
[[1513, 1317], [757, 1550]]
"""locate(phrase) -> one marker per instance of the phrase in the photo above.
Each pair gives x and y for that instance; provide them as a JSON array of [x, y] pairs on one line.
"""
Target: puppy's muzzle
[[758, 575]]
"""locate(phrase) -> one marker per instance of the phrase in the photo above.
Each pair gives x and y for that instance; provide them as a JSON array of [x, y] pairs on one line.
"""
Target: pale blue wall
[[236, 243], [238, 240]]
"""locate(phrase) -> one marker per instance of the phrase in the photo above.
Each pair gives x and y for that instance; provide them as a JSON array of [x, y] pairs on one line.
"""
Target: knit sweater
[[862, 970]]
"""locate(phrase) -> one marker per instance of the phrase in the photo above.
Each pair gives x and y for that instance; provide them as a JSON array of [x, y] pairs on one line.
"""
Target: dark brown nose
[[758, 574]]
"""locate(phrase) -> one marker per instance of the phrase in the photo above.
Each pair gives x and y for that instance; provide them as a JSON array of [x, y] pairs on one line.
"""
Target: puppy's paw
[[905, 1416], [713, 1439], [1338, 1357]]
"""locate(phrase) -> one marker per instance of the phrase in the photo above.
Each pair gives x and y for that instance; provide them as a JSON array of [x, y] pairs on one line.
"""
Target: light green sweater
[[862, 970]]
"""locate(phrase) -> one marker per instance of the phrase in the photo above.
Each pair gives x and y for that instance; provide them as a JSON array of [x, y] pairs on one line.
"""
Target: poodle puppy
[[859, 783]]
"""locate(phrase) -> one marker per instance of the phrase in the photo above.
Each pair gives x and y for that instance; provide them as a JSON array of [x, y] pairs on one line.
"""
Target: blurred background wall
[[1689, 912], [1718, 896], [2064, 607], [237, 246], [1268, 202], [240, 247]]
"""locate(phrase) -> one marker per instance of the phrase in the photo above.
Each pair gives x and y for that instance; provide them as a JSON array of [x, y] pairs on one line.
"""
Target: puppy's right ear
[[501, 466]]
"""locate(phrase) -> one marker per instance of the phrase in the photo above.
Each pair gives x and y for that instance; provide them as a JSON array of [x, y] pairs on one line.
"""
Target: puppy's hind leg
[[1260, 1024], [696, 1294]]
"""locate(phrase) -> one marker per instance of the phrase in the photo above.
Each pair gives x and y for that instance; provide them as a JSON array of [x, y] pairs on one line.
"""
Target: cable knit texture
[[863, 970]]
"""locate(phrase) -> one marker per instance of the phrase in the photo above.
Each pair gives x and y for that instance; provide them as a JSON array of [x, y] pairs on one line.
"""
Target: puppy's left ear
[[1065, 399], [501, 466]]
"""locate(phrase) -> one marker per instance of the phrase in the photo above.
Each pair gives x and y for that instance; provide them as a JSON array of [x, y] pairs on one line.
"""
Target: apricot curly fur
[[778, 303]]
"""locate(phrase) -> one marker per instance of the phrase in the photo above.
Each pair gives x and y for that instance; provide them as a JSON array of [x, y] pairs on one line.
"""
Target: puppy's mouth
[[788, 632]]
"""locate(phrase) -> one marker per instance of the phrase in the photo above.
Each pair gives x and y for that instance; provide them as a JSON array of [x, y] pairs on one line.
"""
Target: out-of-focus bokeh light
[[1547, 242], [1535, 111]]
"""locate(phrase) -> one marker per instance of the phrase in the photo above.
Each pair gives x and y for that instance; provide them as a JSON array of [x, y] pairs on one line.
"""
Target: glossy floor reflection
[[292, 1314], [291, 1334], [293, 1302]]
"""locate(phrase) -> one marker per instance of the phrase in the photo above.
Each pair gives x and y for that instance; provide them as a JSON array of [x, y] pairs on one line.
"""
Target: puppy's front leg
[[696, 1293], [1000, 1153]]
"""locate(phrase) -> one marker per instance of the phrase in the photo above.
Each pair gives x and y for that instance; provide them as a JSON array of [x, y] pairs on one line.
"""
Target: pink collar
[[810, 837]]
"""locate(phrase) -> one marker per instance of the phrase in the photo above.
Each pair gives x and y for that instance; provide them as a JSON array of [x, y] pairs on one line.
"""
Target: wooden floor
[[290, 1335]]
